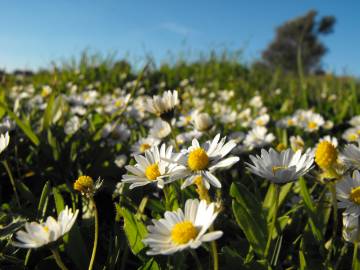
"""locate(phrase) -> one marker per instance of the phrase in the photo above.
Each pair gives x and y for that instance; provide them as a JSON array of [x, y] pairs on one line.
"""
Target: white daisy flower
[[261, 121], [351, 156], [163, 106], [258, 137], [297, 143], [40, 234], [151, 167], [144, 144], [351, 134], [4, 141], [350, 227], [180, 230], [160, 129], [204, 161], [202, 122], [348, 193], [355, 121], [282, 167]]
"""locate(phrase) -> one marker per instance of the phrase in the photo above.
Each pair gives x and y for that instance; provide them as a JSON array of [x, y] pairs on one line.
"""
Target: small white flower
[[120, 160], [204, 161], [163, 105], [40, 234], [351, 156], [202, 122], [355, 121], [282, 167], [151, 167], [297, 143], [350, 227], [258, 137], [180, 230], [4, 141], [144, 144], [160, 129], [348, 193]]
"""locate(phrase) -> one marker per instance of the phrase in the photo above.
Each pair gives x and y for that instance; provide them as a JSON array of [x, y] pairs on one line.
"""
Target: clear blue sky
[[33, 33]]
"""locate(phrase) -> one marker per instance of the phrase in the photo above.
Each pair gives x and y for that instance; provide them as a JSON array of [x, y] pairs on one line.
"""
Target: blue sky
[[33, 33]]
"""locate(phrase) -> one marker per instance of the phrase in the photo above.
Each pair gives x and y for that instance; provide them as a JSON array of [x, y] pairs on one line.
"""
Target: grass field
[[98, 118]]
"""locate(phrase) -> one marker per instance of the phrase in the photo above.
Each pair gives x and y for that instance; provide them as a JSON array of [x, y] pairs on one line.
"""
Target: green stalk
[[273, 222], [335, 217], [91, 265], [12, 180], [214, 252], [355, 263], [57, 258]]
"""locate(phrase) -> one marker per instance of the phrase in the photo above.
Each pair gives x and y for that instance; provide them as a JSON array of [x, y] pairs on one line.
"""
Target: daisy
[[204, 161], [151, 167], [163, 106], [348, 193], [160, 129], [351, 156], [144, 144], [282, 167], [39, 234], [4, 141], [350, 227], [178, 230], [258, 137], [202, 122]]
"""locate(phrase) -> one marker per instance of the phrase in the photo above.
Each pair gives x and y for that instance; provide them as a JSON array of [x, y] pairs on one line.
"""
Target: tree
[[297, 44]]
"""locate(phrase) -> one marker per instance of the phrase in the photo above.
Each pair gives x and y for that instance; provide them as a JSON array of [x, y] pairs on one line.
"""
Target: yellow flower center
[[183, 232], [355, 195], [259, 122], [84, 184], [280, 147], [198, 159], [118, 103], [152, 172], [144, 147], [278, 168], [352, 137], [46, 228], [187, 119], [325, 155], [290, 122], [312, 125]]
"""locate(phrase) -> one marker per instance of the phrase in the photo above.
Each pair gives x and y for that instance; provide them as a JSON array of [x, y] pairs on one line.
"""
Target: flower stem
[[214, 253], [12, 180], [95, 237], [335, 217], [355, 263], [273, 222], [57, 258]]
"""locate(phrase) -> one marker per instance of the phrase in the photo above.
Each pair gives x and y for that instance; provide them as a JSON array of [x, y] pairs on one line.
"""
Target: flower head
[[348, 193], [40, 234], [204, 160], [280, 167], [180, 230], [85, 184], [151, 167], [4, 141], [163, 106]]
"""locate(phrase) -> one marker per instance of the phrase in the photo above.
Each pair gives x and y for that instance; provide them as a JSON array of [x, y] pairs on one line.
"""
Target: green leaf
[[44, 199], [250, 217], [134, 229], [47, 117], [25, 128], [311, 209], [150, 265], [269, 201], [59, 201]]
